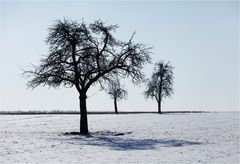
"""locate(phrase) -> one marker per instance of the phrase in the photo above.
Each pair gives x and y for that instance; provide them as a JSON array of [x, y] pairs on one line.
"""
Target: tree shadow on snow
[[122, 143]]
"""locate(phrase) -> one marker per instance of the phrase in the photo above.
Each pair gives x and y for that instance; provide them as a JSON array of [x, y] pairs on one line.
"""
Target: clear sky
[[201, 39]]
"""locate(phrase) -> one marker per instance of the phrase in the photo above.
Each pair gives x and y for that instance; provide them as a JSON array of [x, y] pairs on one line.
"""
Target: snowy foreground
[[148, 138]]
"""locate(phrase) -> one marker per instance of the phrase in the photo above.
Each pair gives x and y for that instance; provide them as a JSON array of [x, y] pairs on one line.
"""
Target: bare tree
[[117, 92], [161, 83], [81, 55]]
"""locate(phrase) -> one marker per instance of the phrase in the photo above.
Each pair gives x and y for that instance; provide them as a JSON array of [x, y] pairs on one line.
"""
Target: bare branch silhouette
[[116, 91], [161, 83], [81, 55]]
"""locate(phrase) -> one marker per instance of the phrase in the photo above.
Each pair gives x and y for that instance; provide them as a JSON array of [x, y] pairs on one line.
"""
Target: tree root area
[[104, 133]]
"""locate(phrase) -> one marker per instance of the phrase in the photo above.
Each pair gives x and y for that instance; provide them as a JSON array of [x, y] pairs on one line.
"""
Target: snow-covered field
[[148, 138]]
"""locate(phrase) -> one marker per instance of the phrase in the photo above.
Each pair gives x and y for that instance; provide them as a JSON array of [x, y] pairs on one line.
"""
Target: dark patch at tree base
[[72, 133], [110, 133], [105, 133]]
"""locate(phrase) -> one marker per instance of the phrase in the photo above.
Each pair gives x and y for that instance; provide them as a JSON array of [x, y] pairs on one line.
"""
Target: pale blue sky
[[201, 39]]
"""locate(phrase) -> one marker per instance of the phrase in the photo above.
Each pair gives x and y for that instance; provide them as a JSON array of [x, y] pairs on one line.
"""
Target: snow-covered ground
[[149, 138]]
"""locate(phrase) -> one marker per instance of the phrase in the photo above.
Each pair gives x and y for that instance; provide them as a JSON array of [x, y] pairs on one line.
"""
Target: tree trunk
[[115, 105], [83, 114], [159, 107], [160, 96]]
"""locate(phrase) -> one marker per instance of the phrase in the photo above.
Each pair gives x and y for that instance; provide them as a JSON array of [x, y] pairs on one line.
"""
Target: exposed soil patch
[[72, 133], [110, 133], [105, 133]]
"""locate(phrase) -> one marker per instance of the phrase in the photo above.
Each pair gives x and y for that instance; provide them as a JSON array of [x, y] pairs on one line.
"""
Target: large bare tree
[[161, 83], [116, 91], [81, 55]]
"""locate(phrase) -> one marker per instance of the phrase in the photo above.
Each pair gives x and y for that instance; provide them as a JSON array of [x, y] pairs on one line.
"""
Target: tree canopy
[[161, 83], [116, 90], [81, 55]]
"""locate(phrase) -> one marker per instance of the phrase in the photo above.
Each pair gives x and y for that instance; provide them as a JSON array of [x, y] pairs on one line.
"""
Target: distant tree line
[[89, 112], [82, 55]]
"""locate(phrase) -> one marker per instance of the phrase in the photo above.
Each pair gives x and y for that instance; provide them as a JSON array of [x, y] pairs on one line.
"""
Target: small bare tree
[[117, 92], [161, 83], [82, 55]]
